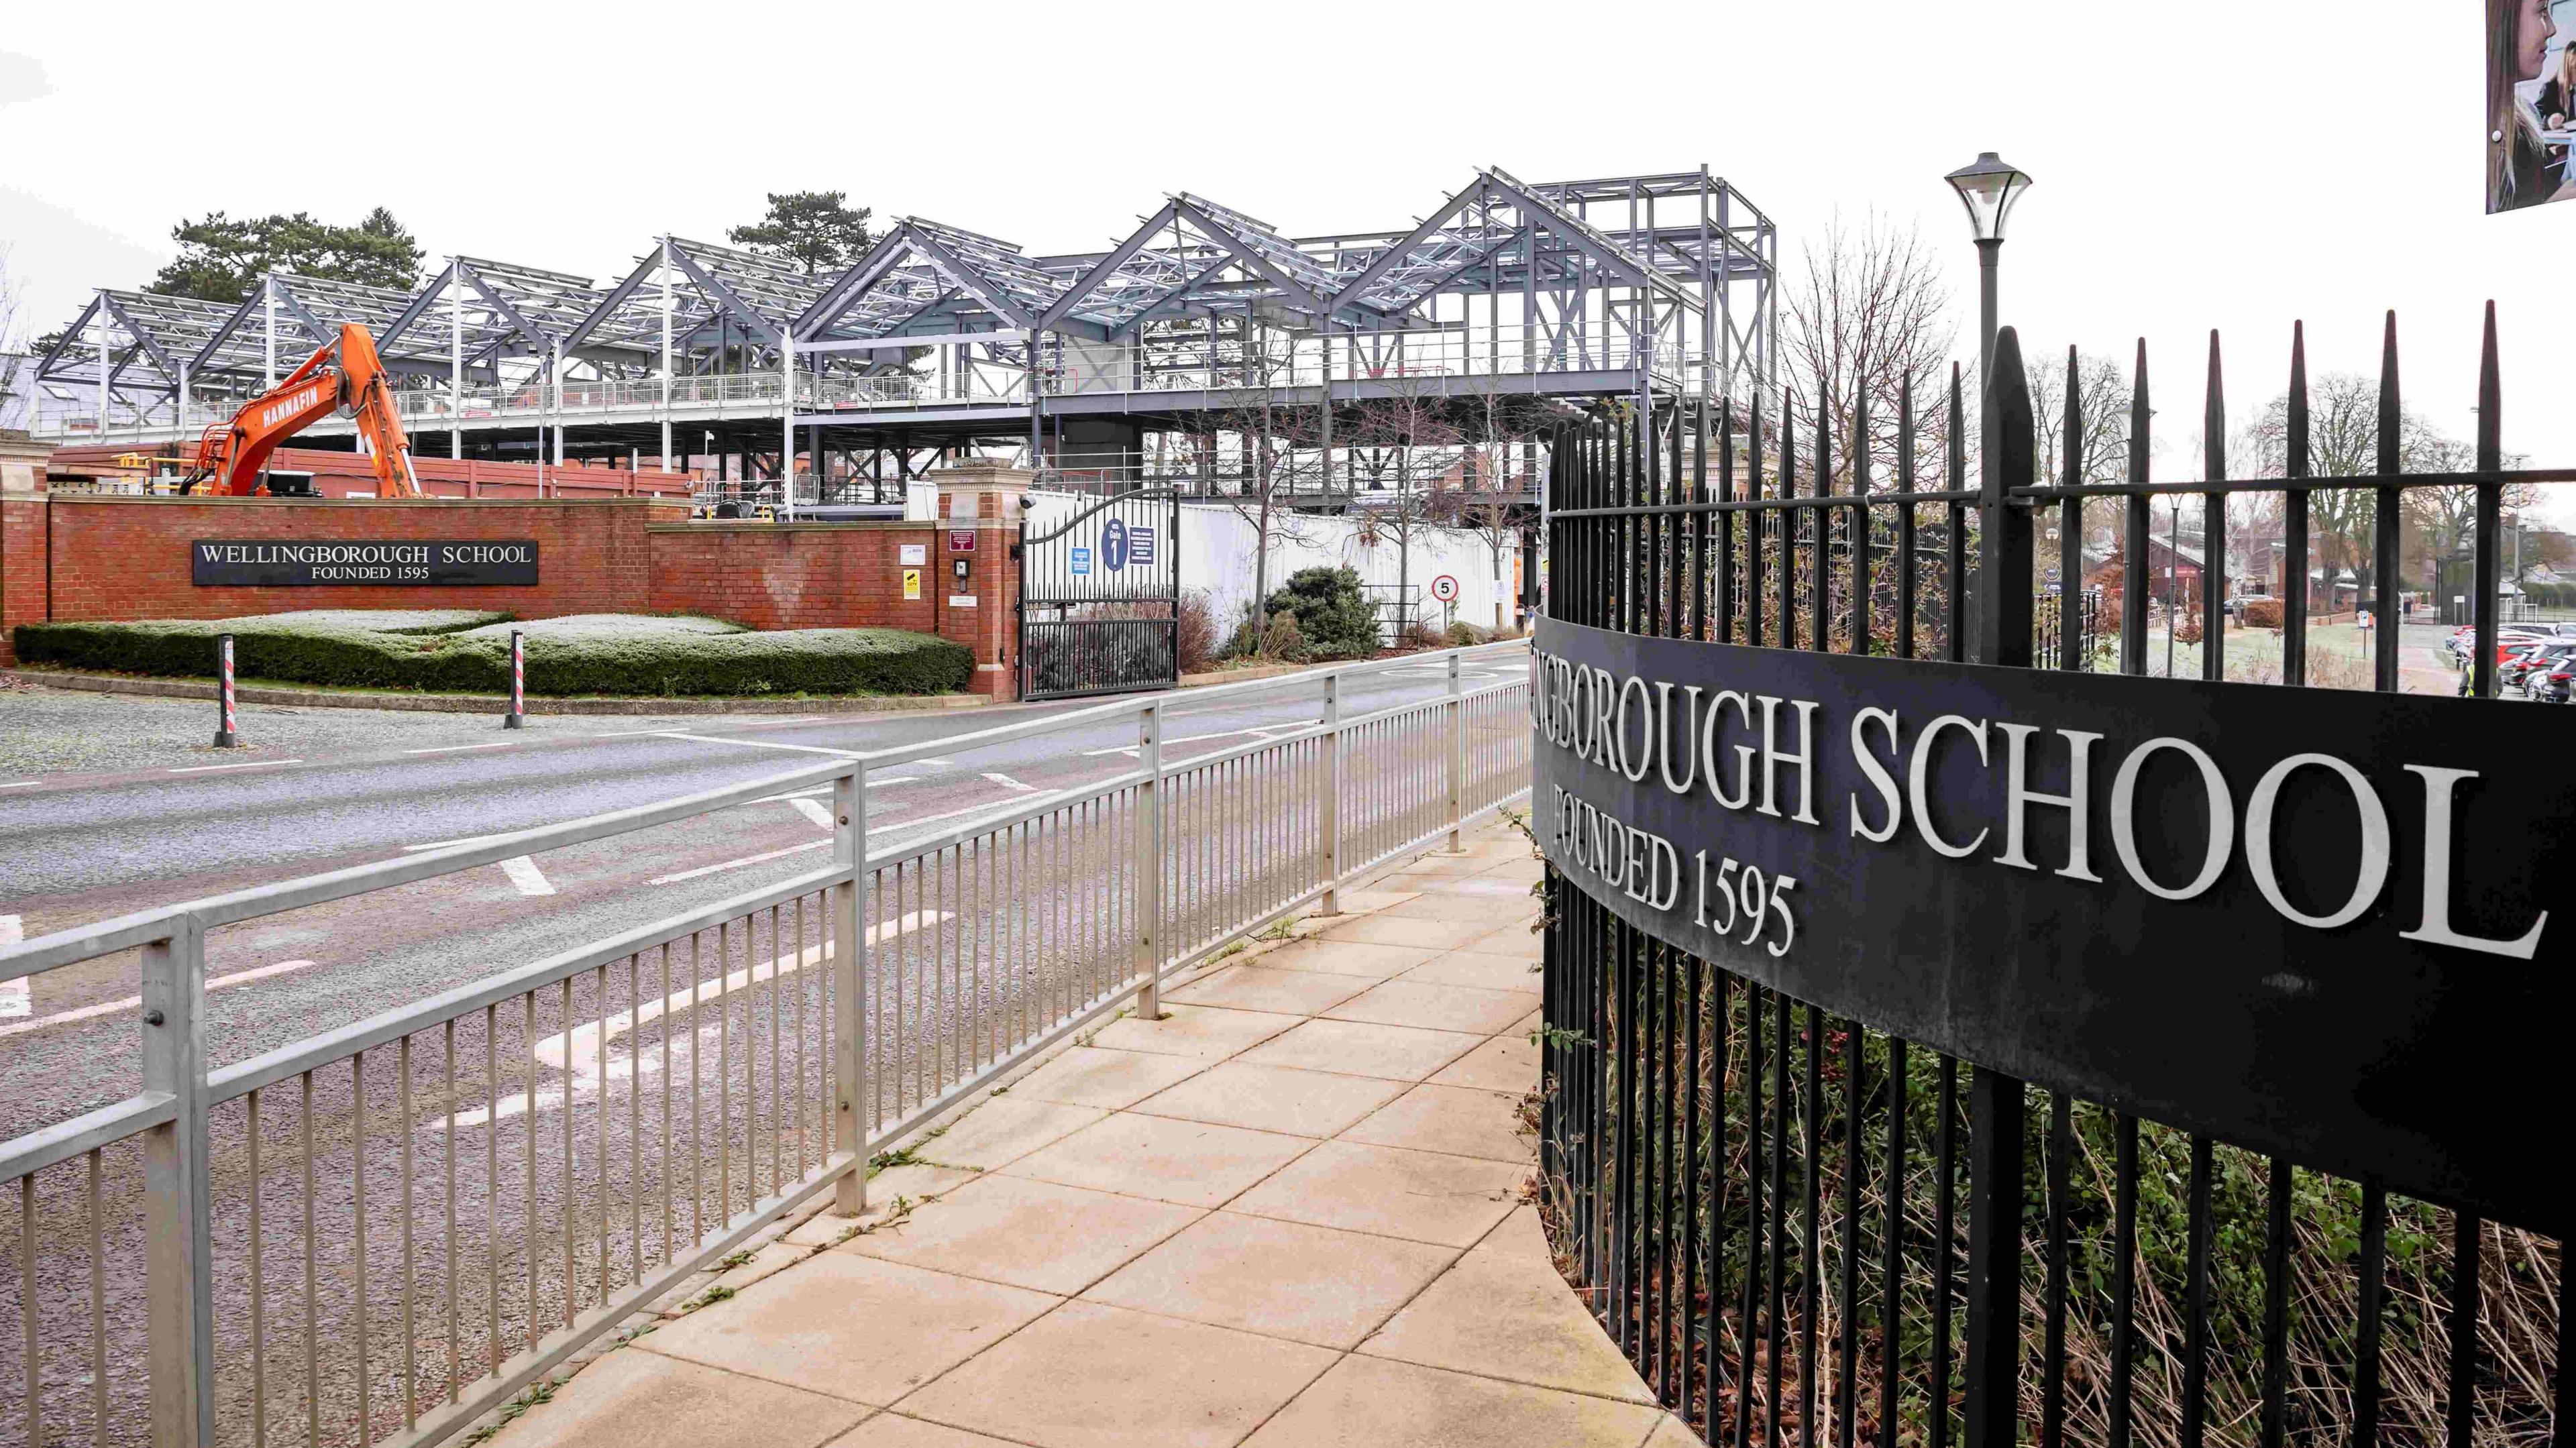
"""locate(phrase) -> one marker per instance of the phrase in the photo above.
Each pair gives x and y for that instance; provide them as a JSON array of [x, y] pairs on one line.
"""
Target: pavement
[[1291, 1212]]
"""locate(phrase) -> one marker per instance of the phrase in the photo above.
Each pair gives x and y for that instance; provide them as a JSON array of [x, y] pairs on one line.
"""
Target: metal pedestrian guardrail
[[379, 1234]]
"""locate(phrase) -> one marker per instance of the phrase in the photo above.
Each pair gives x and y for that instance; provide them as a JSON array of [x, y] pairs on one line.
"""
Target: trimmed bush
[[595, 654], [2262, 613], [1465, 635], [1332, 612]]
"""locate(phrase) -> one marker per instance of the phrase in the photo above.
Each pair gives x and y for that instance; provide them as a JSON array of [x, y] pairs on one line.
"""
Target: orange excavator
[[343, 376]]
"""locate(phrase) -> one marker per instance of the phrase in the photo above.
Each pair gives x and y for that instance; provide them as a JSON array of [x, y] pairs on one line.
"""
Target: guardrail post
[[849, 978], [1149, 865], [1457, 712], [227, 726], [1330, 866], [178, 1199], [517, 718]]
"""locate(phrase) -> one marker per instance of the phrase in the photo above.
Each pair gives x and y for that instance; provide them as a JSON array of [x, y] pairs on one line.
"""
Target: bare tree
[[1867, 315], [14, 368], [2343, 442], [1405, 444], [1270, 434]]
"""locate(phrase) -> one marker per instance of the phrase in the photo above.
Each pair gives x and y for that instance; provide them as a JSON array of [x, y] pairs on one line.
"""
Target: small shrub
[[2262, 613], [1465, 635], [1285, 640], [1332, 612], [2187, 628], [1198, 632], [1424, 634]]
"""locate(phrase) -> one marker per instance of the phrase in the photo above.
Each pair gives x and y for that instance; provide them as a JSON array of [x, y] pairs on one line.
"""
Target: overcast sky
[[2229, 165]]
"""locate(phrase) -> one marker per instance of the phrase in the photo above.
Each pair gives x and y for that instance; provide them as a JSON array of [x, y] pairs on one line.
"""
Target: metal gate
[[1100, 599]]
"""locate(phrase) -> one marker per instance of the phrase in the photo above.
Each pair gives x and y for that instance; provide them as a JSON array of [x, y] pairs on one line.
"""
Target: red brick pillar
[[979, 516], [25, 572]]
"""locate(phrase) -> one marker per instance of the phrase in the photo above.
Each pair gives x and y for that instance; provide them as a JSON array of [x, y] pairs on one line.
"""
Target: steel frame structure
[[1659, 289]]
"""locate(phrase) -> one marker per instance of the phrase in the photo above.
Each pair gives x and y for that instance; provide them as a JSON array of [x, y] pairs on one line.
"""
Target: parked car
[[2516, 670], [2552, 686]]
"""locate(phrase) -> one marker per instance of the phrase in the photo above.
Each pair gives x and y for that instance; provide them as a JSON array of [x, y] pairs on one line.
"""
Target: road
[[83, 847], [483, 1119]]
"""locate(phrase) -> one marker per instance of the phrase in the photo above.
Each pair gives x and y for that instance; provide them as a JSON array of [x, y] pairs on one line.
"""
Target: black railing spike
[[2213, 524], [1954, 577], [2071, 633], [2139, 576], [2490, 502], [2294, 517], [2384, 514]]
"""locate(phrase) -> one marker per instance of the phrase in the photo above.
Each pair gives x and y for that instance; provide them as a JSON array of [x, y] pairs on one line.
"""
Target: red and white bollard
[[227, 729], [517, 718]]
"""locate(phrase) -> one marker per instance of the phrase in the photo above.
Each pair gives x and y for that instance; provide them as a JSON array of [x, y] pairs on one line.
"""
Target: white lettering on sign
[[1755, 753]]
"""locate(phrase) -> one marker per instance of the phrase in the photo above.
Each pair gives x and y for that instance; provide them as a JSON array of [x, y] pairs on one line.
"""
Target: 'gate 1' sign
[[1121, 543], [2266, 905], [428, 563]]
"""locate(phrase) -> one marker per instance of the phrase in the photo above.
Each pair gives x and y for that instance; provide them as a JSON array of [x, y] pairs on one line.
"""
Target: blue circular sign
[[1113, 545]]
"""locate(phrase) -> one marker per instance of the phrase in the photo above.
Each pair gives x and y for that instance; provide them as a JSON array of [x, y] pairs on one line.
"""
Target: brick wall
[[844, 575], [337, 474], [121, 557]]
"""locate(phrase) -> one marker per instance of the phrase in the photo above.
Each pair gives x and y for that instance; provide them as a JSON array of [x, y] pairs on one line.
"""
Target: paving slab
[[1499, 1313], [1422, 1196], [1273, 1098], [1003, 1130], [1485, 972], [1280, 1279], [1106, 1079], [1194, 1163], [1406, 1001], [1094, 1376], [800, 1328], [1369, 1403], [893, 1430], [640, 1399], [1363, 1048], [1260, 988], [1396, 930], [1202, 1032], [1348, 957], [1455, 1119], [1508, 1062], [1028, 1233]]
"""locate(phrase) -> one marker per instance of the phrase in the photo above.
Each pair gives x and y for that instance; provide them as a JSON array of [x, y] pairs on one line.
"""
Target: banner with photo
[[2531, 102]]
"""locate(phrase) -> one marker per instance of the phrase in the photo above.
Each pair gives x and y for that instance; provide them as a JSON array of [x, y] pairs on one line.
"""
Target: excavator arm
[[344, 375]]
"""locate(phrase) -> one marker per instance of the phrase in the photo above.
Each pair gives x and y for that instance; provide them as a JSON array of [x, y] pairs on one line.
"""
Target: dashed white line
[[106, 1008], [523, 872], [248, 764], [461, 748], [738, 864], [20, 784], [1013, 785], [814, 810], [758, 744]]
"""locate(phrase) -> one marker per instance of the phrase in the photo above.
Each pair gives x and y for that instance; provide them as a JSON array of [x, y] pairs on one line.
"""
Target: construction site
[[1204, 351]]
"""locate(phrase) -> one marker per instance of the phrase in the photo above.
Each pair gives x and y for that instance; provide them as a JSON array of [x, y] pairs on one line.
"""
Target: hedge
[[662, 657]]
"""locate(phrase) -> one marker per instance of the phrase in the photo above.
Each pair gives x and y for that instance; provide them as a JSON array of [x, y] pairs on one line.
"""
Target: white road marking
[[14, 1000], [1013, 785], [461, 748], [251, 764], [107, 1008], [1263, 731], [820, 790], [20, 784], [934, 763], [759, 744], [813, 810], [576, 1054], [523, 872], [737, 864]]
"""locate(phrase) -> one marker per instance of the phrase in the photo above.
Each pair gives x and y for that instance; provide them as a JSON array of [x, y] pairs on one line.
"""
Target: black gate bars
[[1802, 1229]]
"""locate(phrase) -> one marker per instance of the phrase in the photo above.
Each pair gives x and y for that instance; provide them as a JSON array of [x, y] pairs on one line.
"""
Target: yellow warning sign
[[912, 583]]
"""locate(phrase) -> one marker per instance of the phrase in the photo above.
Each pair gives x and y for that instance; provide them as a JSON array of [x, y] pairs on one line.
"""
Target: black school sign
[[2314, 922], [424, 563]]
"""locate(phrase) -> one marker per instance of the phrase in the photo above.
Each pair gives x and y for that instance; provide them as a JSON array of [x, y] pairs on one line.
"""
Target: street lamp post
[[1988, 187]]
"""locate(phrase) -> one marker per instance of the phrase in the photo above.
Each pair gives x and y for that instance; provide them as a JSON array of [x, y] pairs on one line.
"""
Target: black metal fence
[[1803, 1228], [1100, 599]]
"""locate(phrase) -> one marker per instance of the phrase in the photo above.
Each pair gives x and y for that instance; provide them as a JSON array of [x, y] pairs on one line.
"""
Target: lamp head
[[1988, 187]]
